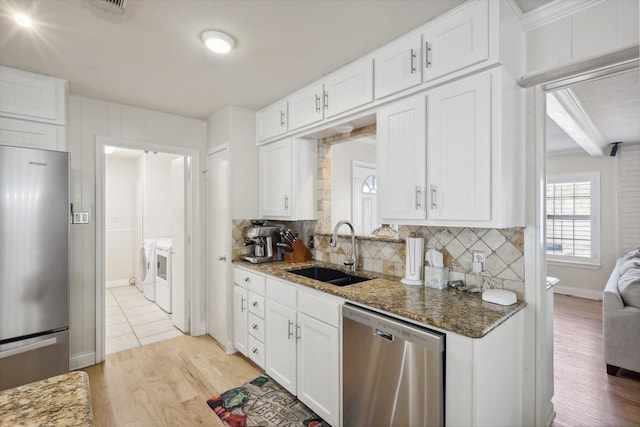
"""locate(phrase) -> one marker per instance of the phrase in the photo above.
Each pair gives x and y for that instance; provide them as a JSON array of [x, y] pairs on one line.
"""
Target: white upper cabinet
[[349, 87], [288, 170], [33, 97], [306, 106], [457, 41], [402, 160], [271, 121], [398, 66], [459, 150], [24, 133], [460, 162]]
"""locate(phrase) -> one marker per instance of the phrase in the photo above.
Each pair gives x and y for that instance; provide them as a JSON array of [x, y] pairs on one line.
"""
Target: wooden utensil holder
[[300, 253]]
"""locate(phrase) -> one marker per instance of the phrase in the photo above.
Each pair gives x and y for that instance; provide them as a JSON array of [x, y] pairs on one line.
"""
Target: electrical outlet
[[479, 256]]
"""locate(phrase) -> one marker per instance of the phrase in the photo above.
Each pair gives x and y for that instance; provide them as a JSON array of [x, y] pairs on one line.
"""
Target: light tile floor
[[131, 320]]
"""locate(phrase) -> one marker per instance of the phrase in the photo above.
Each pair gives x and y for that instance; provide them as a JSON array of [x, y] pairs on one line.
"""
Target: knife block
[[300, 253]]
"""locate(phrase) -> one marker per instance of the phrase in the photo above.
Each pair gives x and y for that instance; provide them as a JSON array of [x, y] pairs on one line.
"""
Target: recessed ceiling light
[[218, 42], [23, 19]]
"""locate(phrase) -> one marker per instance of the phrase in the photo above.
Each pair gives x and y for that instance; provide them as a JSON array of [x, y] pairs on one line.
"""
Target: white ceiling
[[152, 57]]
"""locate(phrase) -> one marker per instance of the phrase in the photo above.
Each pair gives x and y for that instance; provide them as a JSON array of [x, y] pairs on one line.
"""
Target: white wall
[[120, 254], [236, 126], [583, 281], [629, 197], [342, 157], [156, 206], [87, 119]]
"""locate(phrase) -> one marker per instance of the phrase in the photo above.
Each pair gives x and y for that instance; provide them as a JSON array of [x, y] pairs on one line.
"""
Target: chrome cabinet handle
[[289, 329], [255, 303], [434, 192], [254, 350], [298, 335], [326, 100], [254, 326], [413, 63], [247, 279], [317, 103], [418, 197], [242, 307], [286, 203], [427, 50], [281, 118], [222, 258]]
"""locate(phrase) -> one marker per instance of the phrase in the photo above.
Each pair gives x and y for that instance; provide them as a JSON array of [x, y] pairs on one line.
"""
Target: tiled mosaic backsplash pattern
[[504, 249]]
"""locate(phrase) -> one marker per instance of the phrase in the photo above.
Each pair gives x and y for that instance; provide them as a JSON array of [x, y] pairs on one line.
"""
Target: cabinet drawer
[[250, 280], [320, 307], [256, 351], [256, 327], [256, 304], [281, 292]]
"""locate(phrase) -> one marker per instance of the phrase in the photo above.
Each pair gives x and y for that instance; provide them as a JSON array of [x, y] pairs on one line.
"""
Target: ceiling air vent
[[116, 7]]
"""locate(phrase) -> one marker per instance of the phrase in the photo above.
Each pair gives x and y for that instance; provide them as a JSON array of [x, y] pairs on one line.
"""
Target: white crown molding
[[553, 11]]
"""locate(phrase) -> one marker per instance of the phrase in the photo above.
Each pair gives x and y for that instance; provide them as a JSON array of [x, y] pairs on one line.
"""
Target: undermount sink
[[329, 275]]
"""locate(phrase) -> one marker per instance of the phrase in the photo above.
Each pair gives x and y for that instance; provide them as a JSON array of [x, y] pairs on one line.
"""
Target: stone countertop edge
[[61, 400], [461, 312]]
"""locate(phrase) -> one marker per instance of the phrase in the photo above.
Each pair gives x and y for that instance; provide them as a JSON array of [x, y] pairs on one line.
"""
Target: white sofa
[[621, 315]]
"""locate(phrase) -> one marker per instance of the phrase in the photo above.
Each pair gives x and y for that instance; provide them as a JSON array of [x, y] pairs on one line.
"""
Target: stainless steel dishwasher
[[393, 371]]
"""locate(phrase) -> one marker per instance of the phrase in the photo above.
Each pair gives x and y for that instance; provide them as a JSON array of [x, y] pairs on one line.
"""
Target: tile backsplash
[[504, 250]]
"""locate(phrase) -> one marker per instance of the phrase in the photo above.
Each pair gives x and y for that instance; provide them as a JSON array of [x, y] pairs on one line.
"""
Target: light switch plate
[[81, 217]]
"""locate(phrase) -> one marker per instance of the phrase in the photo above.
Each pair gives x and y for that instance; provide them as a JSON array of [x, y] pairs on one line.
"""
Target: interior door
[[179, 249], [218, 246]]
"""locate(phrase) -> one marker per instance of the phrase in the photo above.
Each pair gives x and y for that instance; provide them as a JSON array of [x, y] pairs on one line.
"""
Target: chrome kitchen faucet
[[351, 262]]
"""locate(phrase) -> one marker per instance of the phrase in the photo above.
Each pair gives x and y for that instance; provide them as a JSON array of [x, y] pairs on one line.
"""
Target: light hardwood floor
[[167, 383], [584, 394]]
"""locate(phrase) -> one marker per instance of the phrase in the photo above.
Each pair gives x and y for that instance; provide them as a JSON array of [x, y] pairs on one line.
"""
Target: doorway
[[144, 222], [144, 256]]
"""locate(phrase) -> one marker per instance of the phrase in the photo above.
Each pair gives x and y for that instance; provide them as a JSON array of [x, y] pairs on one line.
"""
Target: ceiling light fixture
[[23, 19], [344, 128], [217, 41]]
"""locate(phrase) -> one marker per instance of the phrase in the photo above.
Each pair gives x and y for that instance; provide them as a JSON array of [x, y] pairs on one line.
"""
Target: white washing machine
[[148, 269], [163, 275]]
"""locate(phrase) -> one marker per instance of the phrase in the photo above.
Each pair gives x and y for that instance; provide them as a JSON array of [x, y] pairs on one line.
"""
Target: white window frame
[[578, 261]]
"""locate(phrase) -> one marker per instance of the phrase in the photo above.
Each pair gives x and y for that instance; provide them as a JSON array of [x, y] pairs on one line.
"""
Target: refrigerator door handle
[[28, 347]]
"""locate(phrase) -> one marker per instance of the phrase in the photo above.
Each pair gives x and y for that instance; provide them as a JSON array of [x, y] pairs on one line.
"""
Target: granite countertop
[[460, 312], [63, 400]]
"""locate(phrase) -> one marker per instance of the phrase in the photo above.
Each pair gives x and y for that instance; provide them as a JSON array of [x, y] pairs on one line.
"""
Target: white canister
[[414, 265]]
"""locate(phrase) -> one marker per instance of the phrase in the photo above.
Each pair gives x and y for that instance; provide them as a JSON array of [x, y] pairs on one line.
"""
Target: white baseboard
[[116, 283], [577, 292], [82, 360]]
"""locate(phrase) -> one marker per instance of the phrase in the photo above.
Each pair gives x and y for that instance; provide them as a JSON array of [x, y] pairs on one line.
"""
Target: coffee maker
[[263, 240]]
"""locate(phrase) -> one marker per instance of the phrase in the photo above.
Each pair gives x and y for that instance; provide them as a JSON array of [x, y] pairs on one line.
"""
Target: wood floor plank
[[584, 394]]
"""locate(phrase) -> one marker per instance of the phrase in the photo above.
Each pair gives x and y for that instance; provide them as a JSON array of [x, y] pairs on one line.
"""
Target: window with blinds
[[572, 221]]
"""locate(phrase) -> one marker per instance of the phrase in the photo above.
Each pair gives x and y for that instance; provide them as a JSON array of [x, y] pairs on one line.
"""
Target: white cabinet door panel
[[459, 150], [23, 133], [402, 160], [271, 121], [240, 319], [348, 88], [281, 345], [457, 41], [306, 106], [397, 67], [275, 178], [319, 368]]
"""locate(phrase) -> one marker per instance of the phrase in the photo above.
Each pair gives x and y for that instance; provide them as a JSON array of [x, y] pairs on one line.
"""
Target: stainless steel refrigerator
[[34, 265]]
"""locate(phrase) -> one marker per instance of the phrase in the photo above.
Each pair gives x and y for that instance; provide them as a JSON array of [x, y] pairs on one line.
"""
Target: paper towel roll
[[414, 265]]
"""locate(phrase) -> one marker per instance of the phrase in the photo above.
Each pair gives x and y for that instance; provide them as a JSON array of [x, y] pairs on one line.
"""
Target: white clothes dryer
[[163, 275], [148, 268]]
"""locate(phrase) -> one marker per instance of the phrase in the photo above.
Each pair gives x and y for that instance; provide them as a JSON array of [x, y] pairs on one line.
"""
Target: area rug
[[262, 402]]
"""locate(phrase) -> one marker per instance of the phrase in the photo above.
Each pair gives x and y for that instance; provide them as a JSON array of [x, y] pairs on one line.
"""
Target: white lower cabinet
[[240, 319], [293, 333]]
